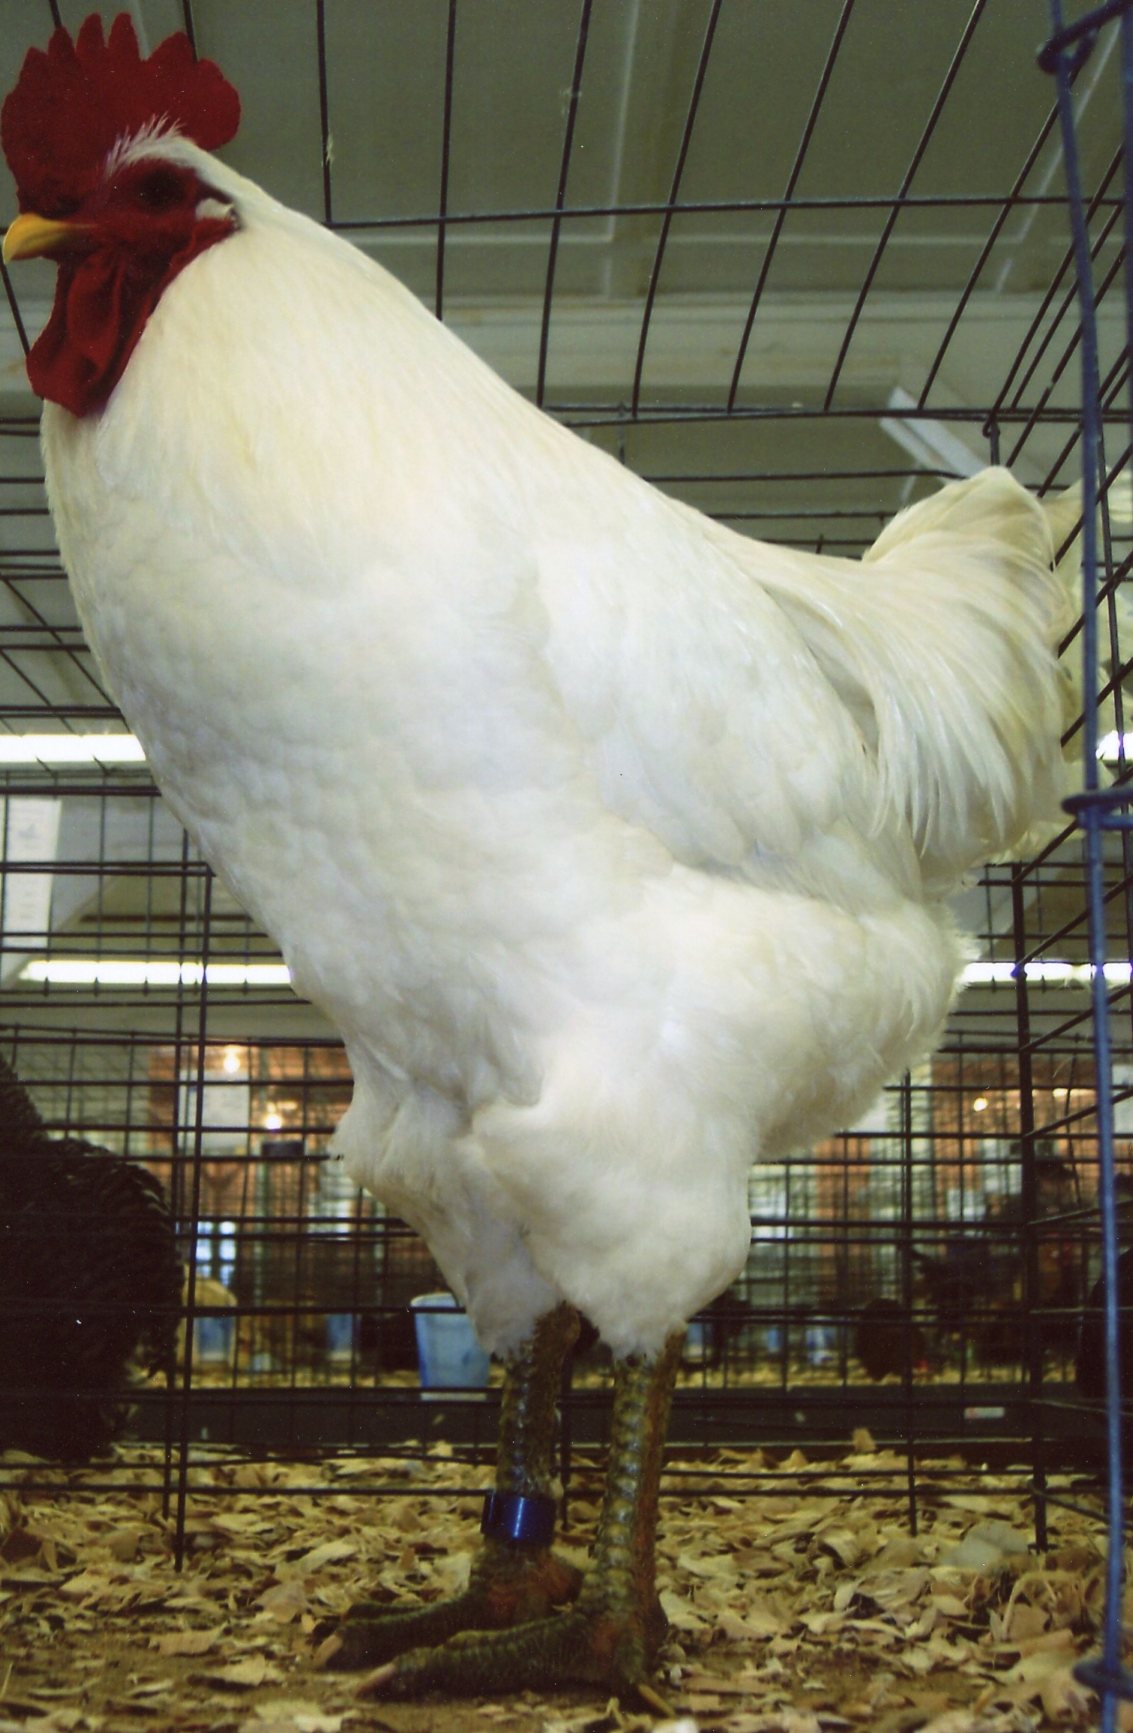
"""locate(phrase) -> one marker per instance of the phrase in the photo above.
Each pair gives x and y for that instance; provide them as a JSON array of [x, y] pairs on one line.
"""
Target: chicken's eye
[[159, 189]]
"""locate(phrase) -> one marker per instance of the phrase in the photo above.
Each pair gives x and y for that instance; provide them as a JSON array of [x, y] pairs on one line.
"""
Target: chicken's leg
[[612, 1634], [513, 1579]]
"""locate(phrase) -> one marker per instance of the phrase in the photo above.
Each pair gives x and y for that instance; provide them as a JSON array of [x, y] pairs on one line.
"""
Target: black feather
[[90, 1283], [1090, 1362]]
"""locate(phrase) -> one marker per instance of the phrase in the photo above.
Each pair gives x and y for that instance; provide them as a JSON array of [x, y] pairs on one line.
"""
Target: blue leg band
[[528, 1519]]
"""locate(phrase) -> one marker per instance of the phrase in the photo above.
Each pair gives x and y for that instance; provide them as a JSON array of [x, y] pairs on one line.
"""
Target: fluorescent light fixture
[[70, 749], [984, 974], [1113, 746], [928, 441], [151, 972], [1049, 969], [178, 972]]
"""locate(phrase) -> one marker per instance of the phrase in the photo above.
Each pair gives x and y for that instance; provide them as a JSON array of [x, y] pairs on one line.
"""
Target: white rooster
[[613, 842]]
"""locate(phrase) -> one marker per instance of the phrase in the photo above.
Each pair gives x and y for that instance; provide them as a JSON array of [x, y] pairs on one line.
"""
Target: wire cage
[[724, 256], [1103, 814]]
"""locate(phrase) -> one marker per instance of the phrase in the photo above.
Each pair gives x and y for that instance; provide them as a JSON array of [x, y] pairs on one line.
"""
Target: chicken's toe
[[578, 1647], [508, 1587]]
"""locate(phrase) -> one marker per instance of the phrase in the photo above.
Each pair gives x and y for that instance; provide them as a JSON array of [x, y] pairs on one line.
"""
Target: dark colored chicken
[[977, 1287], [886, 1340], [90, 1284], [1090, 1363]]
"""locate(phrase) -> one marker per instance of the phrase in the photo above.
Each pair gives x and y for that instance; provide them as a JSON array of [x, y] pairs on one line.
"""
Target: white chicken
[[614, 843]]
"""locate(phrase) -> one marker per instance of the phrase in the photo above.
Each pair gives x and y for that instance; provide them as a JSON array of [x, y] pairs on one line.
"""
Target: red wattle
[[102, 303]]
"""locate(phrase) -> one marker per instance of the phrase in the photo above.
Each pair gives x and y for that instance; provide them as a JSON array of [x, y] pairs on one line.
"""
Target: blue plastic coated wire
[[1127, 153], [1097, 808]]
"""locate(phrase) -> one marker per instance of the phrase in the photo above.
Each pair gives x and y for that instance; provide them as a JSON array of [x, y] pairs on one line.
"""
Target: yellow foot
[[508, 1587], [578, 1647]]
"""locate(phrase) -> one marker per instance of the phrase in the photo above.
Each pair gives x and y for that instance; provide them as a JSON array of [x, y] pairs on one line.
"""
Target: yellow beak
[[30, 236]]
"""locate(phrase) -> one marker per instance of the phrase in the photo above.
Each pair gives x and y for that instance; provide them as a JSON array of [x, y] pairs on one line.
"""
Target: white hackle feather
[[612, 841]]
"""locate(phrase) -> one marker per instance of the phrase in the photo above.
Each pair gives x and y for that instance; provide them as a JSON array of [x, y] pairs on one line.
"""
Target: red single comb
[[72, 104]]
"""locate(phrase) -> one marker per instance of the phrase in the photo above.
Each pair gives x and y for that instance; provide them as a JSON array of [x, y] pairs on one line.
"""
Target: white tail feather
[[943, 643]]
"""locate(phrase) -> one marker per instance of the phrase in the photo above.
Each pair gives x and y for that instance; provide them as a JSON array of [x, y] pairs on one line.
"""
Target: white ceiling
[[513, 62], [904, 248]]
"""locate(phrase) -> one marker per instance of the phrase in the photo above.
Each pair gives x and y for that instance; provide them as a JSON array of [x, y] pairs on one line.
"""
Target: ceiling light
[[70, 749], [1053, 971], [980, 1104], [985, 974], [151, 972], [179, 972], [926, 439]]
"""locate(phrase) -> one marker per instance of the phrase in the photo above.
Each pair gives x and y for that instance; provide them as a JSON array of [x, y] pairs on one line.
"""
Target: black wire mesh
[[796, 303], [1101, 811]]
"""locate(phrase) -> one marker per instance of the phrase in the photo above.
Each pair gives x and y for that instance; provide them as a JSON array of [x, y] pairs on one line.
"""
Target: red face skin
[[118, 253]]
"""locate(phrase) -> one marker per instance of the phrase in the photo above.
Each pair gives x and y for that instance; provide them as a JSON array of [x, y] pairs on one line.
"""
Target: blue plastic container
[[448, 1354], [212, 1337]]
